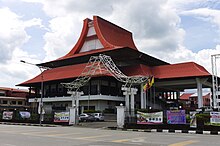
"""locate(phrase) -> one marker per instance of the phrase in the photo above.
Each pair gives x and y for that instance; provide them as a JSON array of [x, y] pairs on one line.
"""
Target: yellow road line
[[121, 140], [184, 143], [90, 137], [38, 132], [62, 134], [138, 139], [17, 131]]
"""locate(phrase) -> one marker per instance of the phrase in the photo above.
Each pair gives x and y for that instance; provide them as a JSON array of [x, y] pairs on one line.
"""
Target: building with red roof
[[103, 91], [12, 99], [190, 100]]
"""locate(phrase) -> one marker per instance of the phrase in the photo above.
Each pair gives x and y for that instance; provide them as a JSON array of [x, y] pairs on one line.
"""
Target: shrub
[[34, 117], [205, 118], [91, 111], [109, 111]]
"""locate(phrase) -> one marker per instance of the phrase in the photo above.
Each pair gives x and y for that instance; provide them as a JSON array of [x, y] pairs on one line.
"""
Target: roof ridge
[[112, 23]]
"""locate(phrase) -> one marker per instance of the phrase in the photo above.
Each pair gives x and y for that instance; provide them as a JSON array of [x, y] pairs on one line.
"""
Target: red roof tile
[[180, 70], [13, 89], [60, 73], [110, 35], [185, 96], [136, 70]]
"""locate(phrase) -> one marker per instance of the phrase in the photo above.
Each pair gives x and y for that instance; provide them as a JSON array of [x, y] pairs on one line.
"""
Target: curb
[[169, 131], [27, 124]]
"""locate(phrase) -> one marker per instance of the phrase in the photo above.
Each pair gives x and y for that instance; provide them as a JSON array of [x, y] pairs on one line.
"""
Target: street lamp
[[42, 88]]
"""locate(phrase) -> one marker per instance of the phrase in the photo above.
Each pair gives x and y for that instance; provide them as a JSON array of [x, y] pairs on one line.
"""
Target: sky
[[43, 30]]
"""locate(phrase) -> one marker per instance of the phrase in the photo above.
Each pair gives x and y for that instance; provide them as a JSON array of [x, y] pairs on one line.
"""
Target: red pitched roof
[[113, 37], [136, 70], [110, 35], [13, 89], [185, 96], [60, 73], [180, 70]]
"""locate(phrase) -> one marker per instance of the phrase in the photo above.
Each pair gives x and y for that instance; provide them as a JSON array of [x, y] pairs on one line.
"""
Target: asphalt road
[[12, 135]]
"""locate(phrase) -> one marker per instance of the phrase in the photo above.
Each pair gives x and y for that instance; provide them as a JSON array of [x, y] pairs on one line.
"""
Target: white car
[[98, 116]]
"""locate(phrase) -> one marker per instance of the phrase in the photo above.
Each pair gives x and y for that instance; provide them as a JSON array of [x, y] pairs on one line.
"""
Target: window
[[13, 102], [60, 88], [113, 89], [5, 102], [20, 102], [85, 90], [104, 87], [90, 108], [94, 87]]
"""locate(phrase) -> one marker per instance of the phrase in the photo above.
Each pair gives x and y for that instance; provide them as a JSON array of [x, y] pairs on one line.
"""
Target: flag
[[149, 83], [145, 87]]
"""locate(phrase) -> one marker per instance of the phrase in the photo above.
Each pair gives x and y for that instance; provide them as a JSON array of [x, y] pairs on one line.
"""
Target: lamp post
[[42, 88]]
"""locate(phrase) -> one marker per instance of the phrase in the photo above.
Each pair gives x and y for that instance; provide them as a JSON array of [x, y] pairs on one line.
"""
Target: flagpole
[[147, 99], [154, 96]]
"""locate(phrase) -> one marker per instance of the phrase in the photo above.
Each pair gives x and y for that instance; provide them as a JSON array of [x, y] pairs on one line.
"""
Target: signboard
[[176, 117], [214, 117], [149, 118], [61, 117], [25, 114], [7, 115], [193, 122]]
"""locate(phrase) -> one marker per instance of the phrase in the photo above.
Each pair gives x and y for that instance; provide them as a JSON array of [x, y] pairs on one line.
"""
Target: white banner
[[61, 117], [7, 115], [214, 117], [149, 118], [25, 114], [193, 121]]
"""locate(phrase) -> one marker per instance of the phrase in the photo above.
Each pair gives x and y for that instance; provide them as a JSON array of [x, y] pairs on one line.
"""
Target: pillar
[[127, 98], [199, 93], [143, 98], [120, 116], [133, 92], [74, 110]]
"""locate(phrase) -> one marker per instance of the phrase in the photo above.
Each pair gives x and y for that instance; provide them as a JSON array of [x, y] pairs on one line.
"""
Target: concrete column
[[127, 98], [120, 116], [72, 118], [199, 92], [127, 102], [132, 102], [78, 95], [143, 98], [133, 92], [74, 110]]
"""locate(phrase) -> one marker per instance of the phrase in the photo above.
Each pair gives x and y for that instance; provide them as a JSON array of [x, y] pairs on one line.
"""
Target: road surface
[[15, 135]]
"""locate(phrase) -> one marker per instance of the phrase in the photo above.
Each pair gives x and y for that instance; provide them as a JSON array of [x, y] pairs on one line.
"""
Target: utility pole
[[215, 84], [42, 89]]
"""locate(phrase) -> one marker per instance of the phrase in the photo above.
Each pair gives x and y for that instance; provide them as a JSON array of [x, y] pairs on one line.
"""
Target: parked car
[[98, 116], [86, 118]]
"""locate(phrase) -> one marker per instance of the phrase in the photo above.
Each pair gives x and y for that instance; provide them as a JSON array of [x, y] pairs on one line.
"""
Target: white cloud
[[64, 31], [12, 32], [211, 15], [154, 31], [155, 25], [184, 5], [202, 57], [12, 38]]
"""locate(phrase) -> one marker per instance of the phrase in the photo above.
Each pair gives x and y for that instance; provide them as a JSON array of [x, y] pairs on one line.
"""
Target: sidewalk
[[28, 124], [169, 131]]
